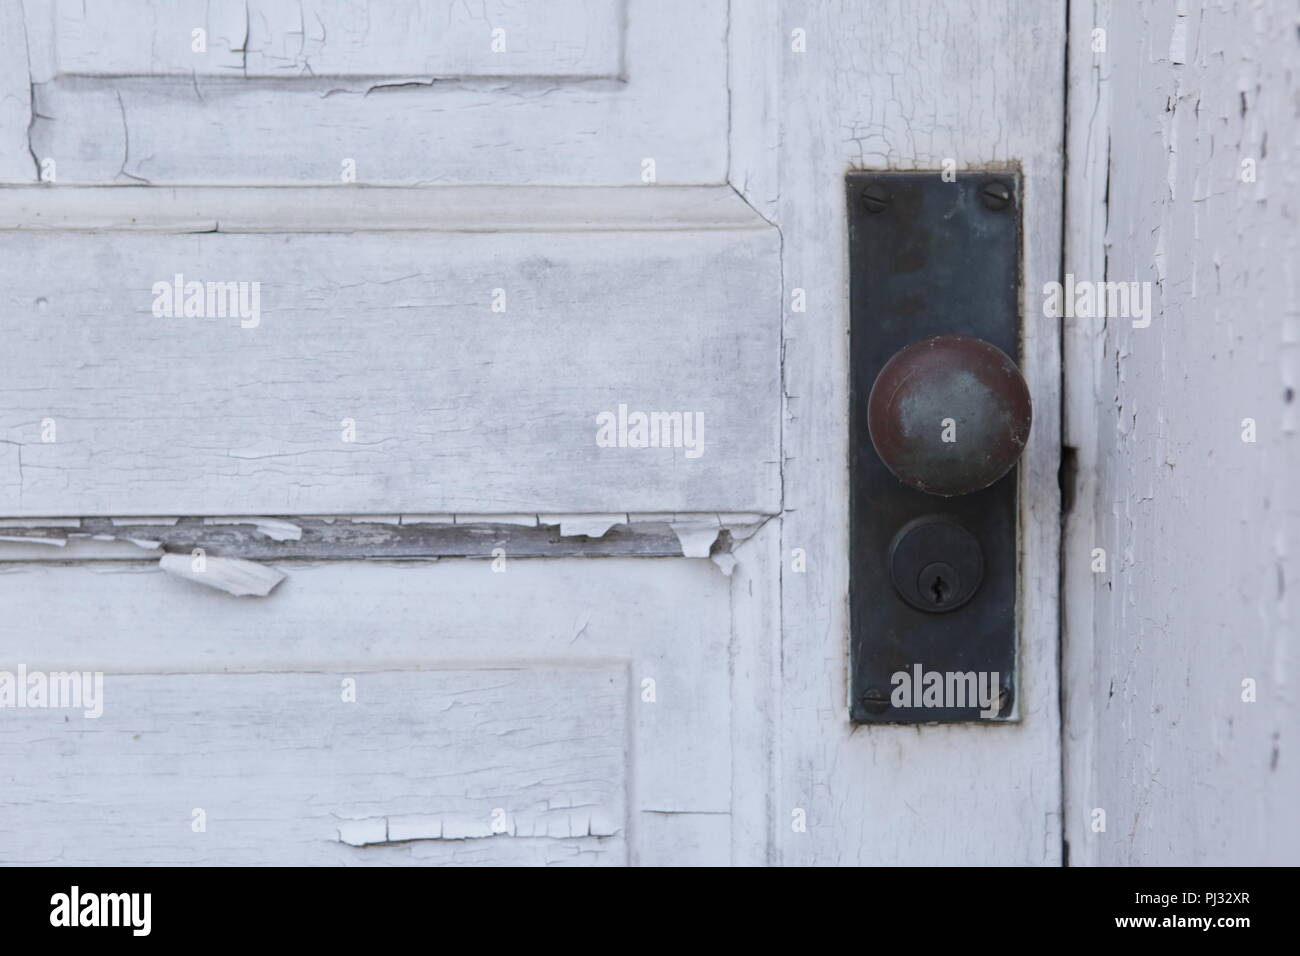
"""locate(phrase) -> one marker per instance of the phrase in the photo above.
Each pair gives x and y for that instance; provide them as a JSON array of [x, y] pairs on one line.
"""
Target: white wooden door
[[459, 342]]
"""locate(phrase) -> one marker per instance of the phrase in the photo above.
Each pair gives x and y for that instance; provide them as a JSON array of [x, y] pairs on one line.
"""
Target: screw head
[[874, 701], [875, 197], [995, 195]]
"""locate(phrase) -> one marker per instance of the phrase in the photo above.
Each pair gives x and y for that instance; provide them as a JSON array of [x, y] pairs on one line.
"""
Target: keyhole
[[939, 588]]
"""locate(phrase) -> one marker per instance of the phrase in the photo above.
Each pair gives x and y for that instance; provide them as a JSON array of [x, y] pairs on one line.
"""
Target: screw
[[1004, 699], [874, 701], [995, 195], [875, 197]]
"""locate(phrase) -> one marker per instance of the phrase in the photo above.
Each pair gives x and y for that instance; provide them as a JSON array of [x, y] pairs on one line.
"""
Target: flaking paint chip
[[232, 575]]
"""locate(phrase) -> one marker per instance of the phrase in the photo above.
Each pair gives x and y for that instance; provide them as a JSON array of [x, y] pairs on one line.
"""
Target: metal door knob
[[949, 415]]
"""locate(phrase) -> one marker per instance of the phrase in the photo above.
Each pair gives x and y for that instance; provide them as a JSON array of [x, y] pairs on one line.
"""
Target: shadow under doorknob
[[949, 414]]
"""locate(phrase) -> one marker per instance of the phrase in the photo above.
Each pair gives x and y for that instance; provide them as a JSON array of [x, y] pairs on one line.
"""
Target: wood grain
[[548, 634], [337, 38], [367, 209], [280, 763], [551, 113], [1199, 528], [17, 163], [457, 408]]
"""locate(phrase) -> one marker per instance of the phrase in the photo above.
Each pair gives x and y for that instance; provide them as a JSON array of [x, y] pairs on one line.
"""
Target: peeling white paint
[[219, 464], [1184, 169], [554, 825], [76, 548], [590, 525], [57, 542], [697, 536], [362, 832], [232, 575], [726, 562], [342, 74]]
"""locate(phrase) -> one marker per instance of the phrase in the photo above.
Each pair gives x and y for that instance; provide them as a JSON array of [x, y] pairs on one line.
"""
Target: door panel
[[431, 371], [335, 38], [413, 93], [524, 691], [279, 766]]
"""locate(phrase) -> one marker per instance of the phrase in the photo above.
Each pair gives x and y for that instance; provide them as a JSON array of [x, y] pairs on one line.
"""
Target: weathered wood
[[905, 85], [366, 209], [1184, 158], [237, 576], [282, 768], [1083, 354], [17, 164], [664, 621], [341, 538], [335, 38], [454, 406], [553, 117], [755, 697], [660, 297]]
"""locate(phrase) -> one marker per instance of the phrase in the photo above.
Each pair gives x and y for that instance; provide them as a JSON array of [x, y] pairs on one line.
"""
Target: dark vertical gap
[[1069, 459], [1067, 479]]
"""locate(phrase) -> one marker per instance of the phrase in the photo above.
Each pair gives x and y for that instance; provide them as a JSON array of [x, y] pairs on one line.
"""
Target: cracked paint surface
[[1187, 146]]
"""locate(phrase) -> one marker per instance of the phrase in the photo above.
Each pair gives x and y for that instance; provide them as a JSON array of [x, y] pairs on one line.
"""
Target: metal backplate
[[928, 257]]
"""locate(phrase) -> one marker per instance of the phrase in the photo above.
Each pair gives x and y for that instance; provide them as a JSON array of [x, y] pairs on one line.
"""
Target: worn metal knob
[[949, 415]]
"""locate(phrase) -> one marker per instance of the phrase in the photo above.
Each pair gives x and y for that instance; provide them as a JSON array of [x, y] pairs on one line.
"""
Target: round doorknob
[[949, 415]]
